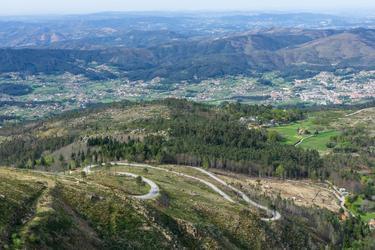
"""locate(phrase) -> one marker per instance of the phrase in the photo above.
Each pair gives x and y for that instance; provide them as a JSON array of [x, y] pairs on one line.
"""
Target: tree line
[[199, 136]]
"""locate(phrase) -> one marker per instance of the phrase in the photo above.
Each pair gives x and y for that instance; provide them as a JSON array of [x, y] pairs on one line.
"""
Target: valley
[[57, 68], [187, 130], [49, 95]]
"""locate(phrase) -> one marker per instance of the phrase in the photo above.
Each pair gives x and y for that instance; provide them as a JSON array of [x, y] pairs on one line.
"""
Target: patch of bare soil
[[303, 193]]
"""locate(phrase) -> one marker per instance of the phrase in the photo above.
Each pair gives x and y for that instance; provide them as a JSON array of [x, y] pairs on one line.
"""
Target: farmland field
[[313, 133], [319, 142]]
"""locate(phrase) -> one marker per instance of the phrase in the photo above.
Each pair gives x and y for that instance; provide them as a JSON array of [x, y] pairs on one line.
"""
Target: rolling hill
[[201, 58], [207, 181]]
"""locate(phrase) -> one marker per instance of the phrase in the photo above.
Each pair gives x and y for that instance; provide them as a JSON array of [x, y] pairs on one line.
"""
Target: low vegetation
[[99, 208]]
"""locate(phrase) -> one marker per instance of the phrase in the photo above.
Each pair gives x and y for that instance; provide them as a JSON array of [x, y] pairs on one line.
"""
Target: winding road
[[154, 188], [275, 215], [209, 184]]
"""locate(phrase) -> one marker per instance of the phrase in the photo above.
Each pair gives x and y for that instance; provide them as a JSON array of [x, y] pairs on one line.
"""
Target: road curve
[[275, 215], [154, 190], [209, 184]]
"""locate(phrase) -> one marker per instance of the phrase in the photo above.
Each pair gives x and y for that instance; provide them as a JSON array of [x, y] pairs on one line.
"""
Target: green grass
[[368, 216], [316, 122], [116, 220], [319, 142], [355, 209], [290, 133], [184, 196], [16, 202], [124, 184]]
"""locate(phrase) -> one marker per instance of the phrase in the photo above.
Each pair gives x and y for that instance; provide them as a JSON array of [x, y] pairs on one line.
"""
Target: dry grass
[[303, 193], [365, 118]]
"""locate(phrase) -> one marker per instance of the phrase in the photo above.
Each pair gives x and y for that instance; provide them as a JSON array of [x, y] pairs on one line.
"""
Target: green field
[[319, 121], [355, 209], [319, 142], [289, 132]]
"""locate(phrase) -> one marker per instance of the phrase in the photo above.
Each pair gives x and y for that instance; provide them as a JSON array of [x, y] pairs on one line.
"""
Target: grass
[[290, 131], [184, 196], [368, 216], [355, 209], [319, 142], [116, 220], [124, 184], [187, 214], [16, 202], [318, 121]]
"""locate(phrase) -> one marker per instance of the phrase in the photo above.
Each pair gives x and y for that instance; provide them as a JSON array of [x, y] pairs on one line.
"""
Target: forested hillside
[[178, 133], [298, 53], [192, 134]]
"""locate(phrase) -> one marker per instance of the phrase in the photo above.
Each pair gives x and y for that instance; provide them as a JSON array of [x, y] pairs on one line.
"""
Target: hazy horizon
[[59, 7]]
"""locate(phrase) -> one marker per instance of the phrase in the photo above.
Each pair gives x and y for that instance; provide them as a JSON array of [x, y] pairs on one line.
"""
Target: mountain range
[[144, 55]]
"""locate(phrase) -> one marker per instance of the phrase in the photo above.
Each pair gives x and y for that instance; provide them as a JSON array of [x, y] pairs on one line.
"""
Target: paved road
[[152, 194], [154, 190], [275, 215], [209, 184]]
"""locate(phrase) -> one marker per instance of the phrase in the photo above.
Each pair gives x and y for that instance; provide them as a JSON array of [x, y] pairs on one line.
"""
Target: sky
[[33, 7]]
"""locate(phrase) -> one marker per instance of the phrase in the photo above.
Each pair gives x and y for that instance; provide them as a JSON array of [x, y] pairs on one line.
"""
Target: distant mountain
[[130, 29], [180, 58], [349, 48], [113, 38]]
